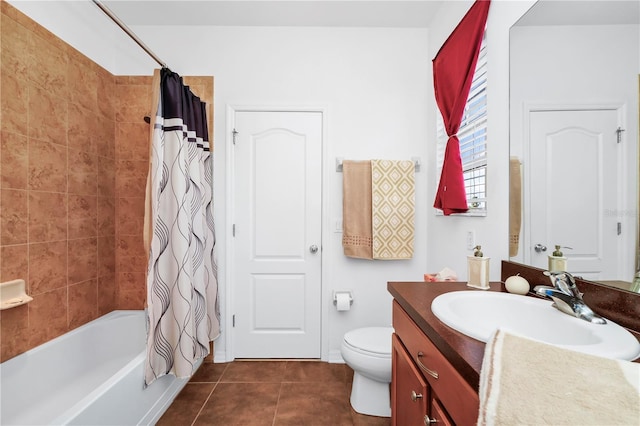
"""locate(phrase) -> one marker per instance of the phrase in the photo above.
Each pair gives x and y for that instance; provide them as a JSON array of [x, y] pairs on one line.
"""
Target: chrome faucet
[[566, 296]]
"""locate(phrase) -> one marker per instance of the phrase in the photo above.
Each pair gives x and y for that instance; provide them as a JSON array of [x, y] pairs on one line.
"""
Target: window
[[473, 139]]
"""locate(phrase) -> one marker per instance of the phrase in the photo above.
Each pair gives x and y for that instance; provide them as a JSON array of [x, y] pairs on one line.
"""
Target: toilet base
[[370, 397]]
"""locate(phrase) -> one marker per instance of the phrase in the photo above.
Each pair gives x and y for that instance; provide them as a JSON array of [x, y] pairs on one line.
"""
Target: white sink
[[478, 314]]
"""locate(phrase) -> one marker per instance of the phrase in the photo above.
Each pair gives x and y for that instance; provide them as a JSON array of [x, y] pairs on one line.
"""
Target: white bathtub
[[92, 375]]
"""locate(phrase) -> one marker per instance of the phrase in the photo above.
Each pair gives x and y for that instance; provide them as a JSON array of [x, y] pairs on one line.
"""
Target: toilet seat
[[372, 341]]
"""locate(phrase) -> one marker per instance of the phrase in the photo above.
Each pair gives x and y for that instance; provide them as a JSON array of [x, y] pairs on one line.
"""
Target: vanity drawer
[[460, 399]]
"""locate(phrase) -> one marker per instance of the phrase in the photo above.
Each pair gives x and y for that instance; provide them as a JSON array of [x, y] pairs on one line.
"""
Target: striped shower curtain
[[182, 292]]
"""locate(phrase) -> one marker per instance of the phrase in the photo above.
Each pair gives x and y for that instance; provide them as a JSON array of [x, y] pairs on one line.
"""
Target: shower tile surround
[[73, 167], [57, 125]]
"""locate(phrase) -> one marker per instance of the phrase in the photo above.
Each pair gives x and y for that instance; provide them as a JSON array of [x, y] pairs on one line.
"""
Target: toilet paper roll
[[343, 301]]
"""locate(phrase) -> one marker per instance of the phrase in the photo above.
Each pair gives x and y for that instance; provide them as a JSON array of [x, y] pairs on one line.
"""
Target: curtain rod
[[130, 33]]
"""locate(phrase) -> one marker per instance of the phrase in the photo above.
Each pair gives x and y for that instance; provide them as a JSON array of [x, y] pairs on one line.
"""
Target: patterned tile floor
[[270, 393]]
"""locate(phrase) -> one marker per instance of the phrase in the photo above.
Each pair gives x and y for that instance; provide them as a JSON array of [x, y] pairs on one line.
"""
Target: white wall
[[447, 235], [377, 87], [373, 83]]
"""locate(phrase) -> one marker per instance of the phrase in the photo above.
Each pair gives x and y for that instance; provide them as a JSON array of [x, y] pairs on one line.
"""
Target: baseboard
[[335, 357], [220, 357]]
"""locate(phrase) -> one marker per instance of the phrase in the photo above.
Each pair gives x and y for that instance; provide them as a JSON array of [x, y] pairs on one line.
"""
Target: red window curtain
[[453, 69]]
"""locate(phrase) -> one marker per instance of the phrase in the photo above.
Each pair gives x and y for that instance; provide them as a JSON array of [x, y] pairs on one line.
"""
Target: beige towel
[[147, 229], [357, 240], [525, 382], [515, 205], [393, 208]]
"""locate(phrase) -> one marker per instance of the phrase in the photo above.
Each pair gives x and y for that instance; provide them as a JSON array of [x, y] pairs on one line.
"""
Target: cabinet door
[[437, 414], [410, 394], [456, 395]]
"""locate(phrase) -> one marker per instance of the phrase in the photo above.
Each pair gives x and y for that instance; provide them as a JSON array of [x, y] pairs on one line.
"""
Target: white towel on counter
[[526, 382]]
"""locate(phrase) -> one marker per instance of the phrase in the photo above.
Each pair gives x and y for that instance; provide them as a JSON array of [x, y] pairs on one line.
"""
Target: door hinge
[[619, 228], [234, 133], [233, 230], [619, 131], [233, 320]]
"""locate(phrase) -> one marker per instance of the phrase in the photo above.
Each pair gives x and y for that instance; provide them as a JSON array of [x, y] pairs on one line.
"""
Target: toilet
[[368, 352]]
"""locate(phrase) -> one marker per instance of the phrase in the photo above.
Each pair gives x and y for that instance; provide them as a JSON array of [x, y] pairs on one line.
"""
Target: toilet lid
[[371, 339]]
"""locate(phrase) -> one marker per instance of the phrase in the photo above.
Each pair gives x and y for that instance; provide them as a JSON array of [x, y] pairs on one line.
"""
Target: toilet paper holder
[[337, 292]]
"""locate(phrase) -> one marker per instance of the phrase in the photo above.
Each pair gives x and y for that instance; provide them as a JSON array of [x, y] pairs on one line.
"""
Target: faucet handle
[[563, 281], [553, 275]]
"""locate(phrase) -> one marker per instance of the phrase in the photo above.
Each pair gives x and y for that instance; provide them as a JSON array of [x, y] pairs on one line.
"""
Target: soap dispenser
[[557, 261], [478, 270]]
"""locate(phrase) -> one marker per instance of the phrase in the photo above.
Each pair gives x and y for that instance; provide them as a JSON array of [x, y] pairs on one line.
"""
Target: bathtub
[[92, 375]]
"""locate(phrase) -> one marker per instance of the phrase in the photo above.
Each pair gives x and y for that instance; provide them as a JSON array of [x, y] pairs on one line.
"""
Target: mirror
[[574, 94]]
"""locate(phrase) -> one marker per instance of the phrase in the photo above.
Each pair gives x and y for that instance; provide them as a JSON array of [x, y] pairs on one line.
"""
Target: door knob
[[313, 249], [539, 248]]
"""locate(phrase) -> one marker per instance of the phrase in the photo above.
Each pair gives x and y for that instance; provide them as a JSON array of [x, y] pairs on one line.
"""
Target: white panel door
[[277, 218], [574, 181]]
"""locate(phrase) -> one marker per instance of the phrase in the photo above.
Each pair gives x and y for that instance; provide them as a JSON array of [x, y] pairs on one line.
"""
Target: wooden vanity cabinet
[[409, 392], [426, 388]]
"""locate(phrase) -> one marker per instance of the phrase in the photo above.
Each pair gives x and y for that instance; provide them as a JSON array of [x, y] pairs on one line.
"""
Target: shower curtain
[[182, 292]]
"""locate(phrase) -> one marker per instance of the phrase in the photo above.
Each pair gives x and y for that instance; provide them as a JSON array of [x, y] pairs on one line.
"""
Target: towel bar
[[416, 162]]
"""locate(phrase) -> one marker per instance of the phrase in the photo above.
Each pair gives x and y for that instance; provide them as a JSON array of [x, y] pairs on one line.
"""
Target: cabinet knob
[[415, 396], [429, 421]]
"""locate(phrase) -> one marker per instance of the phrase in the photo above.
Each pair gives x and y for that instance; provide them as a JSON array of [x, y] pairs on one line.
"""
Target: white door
[[277, 221], [575, 149]]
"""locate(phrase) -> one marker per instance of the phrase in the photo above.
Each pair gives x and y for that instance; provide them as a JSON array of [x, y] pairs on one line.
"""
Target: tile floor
[[252, 393]]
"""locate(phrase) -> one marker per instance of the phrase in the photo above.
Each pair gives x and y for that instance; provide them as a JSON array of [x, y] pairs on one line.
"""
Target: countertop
[[463, 352]]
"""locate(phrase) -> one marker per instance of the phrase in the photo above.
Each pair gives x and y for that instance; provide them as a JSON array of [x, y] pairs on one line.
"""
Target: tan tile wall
[[73, 166], [57, 184], [133, 100]]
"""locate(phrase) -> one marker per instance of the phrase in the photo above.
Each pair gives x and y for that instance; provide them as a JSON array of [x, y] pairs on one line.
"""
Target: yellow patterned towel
[[392, 208], [525, 382]]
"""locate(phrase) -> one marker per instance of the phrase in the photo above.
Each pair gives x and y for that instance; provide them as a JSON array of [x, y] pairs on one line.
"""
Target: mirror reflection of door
[[574, 189], [582, 54]]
